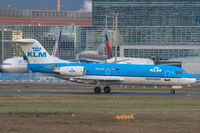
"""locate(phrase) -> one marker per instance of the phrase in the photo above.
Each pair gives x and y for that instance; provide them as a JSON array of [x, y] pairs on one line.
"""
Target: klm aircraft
[[102, 74], [19, 64]]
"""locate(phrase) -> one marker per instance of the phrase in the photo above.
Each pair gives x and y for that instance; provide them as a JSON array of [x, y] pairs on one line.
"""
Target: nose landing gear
[[172, 91], [97, 90]]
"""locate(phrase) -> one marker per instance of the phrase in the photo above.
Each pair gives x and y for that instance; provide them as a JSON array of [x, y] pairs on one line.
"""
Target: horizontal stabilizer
[[25, 41]]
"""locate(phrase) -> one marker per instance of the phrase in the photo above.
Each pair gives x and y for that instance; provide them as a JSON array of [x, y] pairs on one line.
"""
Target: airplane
[[120, 60], [19, 64], [131, 60], [124, 60], [15, 64], [102, 74]]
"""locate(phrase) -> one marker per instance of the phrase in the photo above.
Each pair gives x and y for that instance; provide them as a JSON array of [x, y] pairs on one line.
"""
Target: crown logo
[[36, 48]]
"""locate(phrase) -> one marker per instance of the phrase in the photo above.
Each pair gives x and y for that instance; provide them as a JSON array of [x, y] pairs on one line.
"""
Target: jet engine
[[71, 71]]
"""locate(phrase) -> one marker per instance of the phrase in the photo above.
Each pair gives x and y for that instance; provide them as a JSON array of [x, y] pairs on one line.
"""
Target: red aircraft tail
[[108, 48]]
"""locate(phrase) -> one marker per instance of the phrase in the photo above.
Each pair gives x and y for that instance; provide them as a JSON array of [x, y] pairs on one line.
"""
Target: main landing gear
[[97, 90], [106, 89]]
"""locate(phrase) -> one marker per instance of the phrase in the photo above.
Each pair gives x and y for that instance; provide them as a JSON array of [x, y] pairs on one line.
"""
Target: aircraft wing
[[96, 79], [92, 61], [118, 61]]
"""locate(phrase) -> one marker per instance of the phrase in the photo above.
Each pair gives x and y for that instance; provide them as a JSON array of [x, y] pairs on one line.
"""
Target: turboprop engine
[[71, 71]]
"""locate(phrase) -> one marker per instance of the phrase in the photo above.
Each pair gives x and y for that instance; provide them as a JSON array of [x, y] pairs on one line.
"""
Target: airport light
[[116, 36], [115, 33], [2, 40], [2, 46]]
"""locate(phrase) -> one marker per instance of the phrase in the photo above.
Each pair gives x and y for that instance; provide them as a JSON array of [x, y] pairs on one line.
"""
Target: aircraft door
[[167, 76], [107, 72]]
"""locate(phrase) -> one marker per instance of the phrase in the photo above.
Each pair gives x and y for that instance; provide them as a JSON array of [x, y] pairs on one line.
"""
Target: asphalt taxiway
[[32, 92], [22, 88]]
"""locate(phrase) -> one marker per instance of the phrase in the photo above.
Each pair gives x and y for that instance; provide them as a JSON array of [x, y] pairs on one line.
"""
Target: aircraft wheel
[[107, 89], [172, 91], [97, 90]]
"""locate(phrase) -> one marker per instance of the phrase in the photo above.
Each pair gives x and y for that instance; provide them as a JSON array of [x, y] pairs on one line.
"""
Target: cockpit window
[[179, 72]]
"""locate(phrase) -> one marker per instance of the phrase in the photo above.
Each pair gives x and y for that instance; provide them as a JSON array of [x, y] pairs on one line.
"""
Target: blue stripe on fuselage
[[124, 70]]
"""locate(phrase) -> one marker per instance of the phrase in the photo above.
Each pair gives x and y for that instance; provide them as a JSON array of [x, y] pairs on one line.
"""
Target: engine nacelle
[[71, 71]]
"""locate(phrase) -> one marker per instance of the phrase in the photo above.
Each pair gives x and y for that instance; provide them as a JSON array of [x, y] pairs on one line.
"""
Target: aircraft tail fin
[[34, 51], [108, 48]]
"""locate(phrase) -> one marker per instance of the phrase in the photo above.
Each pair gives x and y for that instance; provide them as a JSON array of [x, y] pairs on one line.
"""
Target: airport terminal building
[[174, 24], [169, 23], [46, 35], [43, 26]]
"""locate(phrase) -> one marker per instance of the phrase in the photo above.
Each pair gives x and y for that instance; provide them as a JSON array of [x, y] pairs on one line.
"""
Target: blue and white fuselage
[[120, 73], [102, 74]]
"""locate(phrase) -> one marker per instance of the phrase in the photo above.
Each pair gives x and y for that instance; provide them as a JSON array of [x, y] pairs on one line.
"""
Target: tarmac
[[73, 85], [35, 92]]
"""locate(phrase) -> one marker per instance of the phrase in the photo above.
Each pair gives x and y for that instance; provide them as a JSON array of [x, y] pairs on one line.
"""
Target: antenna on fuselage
[[55, 51]]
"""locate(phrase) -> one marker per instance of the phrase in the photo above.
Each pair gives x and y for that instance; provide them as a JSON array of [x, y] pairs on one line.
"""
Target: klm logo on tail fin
[[36, 52]]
